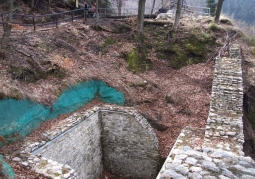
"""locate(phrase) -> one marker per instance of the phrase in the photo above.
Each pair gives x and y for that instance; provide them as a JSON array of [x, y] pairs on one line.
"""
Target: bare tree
[[141, 9], [177, 14], [119, 4], [218, 11], [153, 6]]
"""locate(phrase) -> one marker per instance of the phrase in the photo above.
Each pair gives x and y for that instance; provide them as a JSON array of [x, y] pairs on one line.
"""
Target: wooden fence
[[42, 20], [55, 19]]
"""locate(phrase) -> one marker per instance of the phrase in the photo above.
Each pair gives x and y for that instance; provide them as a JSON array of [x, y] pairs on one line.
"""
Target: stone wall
[[114, 138], [127, 149], [78, 147], [216, 151]]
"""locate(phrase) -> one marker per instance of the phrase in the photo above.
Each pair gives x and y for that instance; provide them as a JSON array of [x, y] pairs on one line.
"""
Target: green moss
[[213, 27], [251, 42], [133, 60], [179, 59], [43, 163], [108, 41], [64, 170]]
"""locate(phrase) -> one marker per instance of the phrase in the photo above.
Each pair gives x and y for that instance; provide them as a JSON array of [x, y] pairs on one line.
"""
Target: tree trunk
[[119, 6], [7, 26], [153, 6], [97, 15], [218, 11], [32, 4], [141, 9], [177, 14]]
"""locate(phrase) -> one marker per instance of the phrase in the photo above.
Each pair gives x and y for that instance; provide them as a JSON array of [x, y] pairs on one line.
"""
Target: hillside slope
[[39, 65]]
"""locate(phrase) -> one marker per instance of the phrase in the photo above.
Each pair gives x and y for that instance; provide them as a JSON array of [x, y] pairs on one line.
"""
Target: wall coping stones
[[220, 154], [57, 170]]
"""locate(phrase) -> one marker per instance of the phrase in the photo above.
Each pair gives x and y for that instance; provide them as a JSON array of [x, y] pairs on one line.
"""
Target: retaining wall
[[117, 139], [79, 147]]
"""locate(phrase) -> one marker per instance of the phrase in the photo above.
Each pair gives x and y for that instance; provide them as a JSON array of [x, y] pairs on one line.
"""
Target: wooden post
[[2, 18], [34, 22], [72, 16], [85, 15]]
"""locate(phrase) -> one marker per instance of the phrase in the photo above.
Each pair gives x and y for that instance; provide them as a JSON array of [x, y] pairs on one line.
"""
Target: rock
[[247, 177], [209, 177], [172, 174], [195, 175], [191, 160], [231, 133], [180, 157], [195, 169], [210, 166], [223, 177], [181, 169], [24, 164], [16, 159], [228, 173]]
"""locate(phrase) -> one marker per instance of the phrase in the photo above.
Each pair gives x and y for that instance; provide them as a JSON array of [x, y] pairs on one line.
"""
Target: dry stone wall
[[216, 151]]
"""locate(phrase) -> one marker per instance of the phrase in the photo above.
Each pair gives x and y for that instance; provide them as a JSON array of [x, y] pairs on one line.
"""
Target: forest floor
[[77, 52]]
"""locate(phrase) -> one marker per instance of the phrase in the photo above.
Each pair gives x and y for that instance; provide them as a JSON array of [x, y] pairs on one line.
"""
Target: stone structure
[[117, 139], [219, 154], [79, 147], [128, 150]]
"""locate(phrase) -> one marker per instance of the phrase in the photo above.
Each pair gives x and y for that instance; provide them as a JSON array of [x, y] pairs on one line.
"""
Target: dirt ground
[[80, 52]]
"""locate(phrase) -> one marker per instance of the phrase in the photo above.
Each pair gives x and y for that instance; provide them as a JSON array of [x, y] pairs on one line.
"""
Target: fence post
[[72, 16], [85, 15], [56, 20], [2, 18], [34, 22]]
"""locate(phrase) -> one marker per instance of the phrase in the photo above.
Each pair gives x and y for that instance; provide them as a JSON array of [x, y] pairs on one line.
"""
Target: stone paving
[[215, 152]]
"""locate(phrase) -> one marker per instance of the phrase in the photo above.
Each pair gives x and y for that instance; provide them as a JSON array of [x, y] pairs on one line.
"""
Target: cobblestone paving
[[220, 154]]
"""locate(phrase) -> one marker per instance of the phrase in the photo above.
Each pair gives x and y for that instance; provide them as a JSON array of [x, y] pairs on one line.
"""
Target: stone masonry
[[219, 154], [115, 138], [128, 150]]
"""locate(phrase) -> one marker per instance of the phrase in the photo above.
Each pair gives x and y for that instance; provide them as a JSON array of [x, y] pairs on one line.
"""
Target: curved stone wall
[[128, 150]]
